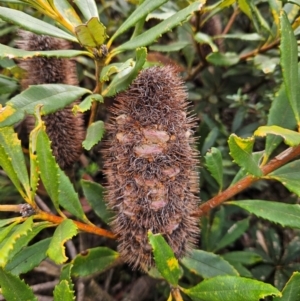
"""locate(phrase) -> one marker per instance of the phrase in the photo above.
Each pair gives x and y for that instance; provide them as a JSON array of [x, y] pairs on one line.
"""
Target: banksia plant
[[150, 165], [65, 130]]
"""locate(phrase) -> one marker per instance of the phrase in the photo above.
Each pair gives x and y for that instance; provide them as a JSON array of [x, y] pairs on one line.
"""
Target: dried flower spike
[[150, 165], [65, 130]]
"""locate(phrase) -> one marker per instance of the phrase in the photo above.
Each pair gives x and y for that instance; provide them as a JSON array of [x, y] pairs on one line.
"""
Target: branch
[[280, 160], [81, 226]]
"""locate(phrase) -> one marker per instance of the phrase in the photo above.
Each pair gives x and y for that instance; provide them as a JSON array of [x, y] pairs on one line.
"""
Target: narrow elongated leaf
[[14, 53], [57, 184], [7, 84], [290, 138], [94, 134], [68, 197], [289, 64], [213, 162], [12, 147], [65, 231], [33, 24], [66, 11], [281, 114], [28, 258], [233, 233], [286, 215], [7, 221], [223, 59], [24, 240], [63, 291], [94, 260], [123, 79], [141, 12], [228, 288], [165, 260], [288, 175], [7, 166], [52, 96], [111, 69], [243, 257], [88, 8], [6, 230], [86, 104], [291, 291], [203, 38], [47, 166], [152, 34], [8, 245], [94, 194], [92, 34], [241, 152], [176, 46], [207, 264], [13, 288]]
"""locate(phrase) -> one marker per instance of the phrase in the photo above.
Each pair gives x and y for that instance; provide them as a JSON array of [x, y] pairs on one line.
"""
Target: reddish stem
[[286, 156], [81, 226]]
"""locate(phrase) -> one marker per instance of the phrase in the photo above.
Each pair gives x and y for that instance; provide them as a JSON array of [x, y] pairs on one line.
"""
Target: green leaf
[[48, 168], [33, 24], [280, 114], [63, 291], [176, 46], [88, 8], [52, 96], [233, 233], [165, 260], [286, 215], [203, 38], [94, 260], [94, 194], [92, 34], [108, 70], [12, 160], [241, 36], [28, 258], [141, 12], [223, 59], [229, 288], [7, 84], [57, 184], [66, 11], [243, 257], [289, 64], [123, 79], [14, 289], [8, 244], [152, 34], [291, 291], [207, 264], [68, 197], [86, 104], [14, 53], [23, 241], [288, 175], [241, 152], [213, 162], [7, 221], [65, 231], [291, 138], [94, 134], [6, 230]]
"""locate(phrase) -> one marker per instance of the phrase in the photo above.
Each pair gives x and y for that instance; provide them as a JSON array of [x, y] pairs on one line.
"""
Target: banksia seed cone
[[65, 130], [150, 166]]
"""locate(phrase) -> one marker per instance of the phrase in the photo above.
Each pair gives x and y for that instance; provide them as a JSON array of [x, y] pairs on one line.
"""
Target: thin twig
[[231, 21], [280, 160]]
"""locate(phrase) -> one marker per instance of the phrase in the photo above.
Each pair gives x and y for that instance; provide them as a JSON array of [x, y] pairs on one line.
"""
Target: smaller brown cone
[[151, 166], [65, 130]]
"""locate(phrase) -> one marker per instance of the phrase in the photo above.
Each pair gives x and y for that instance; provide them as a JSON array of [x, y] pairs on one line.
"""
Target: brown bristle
[[65, 130], [151, 166]]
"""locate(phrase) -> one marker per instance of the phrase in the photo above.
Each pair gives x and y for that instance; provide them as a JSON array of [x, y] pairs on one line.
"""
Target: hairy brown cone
[[65, 130], [150, 165]]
